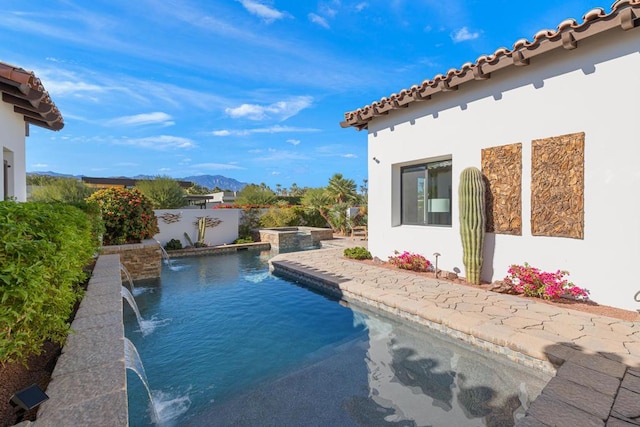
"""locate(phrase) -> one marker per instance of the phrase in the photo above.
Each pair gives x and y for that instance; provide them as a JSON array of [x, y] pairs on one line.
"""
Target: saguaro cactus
[[472, 221], [202, 228]]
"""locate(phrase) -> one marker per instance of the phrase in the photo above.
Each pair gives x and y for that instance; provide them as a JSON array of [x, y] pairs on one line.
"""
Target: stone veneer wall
[[292, 237], [89, 383], [142, 260]]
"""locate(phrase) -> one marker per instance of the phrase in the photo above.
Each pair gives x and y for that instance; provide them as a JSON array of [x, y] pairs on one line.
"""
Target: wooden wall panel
[[502, 168], [557, 186]]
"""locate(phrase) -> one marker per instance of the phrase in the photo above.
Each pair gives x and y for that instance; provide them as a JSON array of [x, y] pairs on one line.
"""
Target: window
[[426, 194]]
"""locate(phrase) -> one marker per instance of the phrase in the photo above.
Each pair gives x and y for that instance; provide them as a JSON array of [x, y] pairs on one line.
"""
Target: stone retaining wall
[[142, 260], [89, 383]]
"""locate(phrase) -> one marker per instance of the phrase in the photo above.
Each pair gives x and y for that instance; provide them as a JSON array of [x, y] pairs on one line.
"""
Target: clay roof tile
[[27, 94], [565, 36]]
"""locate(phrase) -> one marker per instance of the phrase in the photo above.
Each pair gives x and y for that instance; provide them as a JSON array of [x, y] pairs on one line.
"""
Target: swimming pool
[[234, 345]]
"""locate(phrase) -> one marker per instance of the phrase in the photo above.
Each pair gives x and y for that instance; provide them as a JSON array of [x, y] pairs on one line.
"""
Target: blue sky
[[249, 89]]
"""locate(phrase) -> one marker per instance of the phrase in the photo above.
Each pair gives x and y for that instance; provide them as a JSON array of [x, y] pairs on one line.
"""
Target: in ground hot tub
[[294, 238]]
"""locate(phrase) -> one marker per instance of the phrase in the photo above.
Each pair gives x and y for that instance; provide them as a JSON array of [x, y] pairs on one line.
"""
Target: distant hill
[[209, 181], [212, 181], [55, 174]]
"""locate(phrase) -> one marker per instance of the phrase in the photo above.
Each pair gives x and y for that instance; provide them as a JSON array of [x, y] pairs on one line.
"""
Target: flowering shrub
[[127, 214], [532, 282], [409, 261]]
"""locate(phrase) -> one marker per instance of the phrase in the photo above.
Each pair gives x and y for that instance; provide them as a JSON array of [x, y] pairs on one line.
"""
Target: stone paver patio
[[596, 359]]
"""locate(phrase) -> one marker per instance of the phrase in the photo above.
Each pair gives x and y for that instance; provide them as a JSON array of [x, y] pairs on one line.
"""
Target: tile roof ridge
[[523, 49], [26, 92]]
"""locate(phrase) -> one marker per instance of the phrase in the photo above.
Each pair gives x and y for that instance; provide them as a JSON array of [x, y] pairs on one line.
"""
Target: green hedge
[[43, 250]]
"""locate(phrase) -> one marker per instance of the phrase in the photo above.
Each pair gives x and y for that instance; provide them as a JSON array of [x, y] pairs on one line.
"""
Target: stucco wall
[[591, 89], [225, 232], [12, 142]]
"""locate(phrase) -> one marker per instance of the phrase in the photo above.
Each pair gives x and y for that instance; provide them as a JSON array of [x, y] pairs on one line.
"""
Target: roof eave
[[625, 14]]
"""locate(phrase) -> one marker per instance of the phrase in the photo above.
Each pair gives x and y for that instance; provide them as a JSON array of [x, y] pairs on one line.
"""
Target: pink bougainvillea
[[409, 261], [530, 281]]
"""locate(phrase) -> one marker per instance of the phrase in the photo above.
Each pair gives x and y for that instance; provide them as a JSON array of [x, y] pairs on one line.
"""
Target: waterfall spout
[[133, 362], [165, 255], [132, 302], [128, 276]]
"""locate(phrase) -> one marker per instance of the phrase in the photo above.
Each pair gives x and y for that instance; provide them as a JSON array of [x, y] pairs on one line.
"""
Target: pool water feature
[[243, 347]]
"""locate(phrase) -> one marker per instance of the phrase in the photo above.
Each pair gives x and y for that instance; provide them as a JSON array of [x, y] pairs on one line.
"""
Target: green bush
[[63, 190], [173, 244], [249, 220], [164, 192], [282, 215], [43, 250], [358, 252], [127, 214], [241, 241]]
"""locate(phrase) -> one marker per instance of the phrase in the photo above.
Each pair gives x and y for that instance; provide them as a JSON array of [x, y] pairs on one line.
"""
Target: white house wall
[[592, 89], [225, 232], [12, 141]]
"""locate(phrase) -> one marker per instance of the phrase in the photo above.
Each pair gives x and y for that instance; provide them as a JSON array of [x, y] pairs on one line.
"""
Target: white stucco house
[[24, 102], [553, 124]]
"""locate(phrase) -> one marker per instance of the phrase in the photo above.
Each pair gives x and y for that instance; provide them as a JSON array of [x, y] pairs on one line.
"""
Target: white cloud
[[275, 173], [216, 166], [161, 142], [158, 117], [271, 129], [361, 6], [293, 141], [328, 11], [463, 34], [40, 165], [350, 156], [280, 110], [267, 13], [317, 19], [279, 156], [164, 169], [62, 88]]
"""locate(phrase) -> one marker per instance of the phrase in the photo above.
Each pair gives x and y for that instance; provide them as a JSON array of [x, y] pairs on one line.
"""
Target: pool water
[[235, 345]]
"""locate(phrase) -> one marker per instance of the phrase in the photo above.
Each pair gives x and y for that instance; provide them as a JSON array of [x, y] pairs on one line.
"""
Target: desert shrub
[[409, 261], [64, 190], [127, 214], [43, 250], [282, 215], [256, 195], [358, 252], [163, 192], [173, 244], [532, 282]]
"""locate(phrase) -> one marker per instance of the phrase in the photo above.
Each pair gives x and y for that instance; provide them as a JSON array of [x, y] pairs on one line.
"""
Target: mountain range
[[209, 181]]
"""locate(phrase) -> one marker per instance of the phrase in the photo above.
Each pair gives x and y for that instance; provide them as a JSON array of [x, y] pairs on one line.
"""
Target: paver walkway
[[597, 382]]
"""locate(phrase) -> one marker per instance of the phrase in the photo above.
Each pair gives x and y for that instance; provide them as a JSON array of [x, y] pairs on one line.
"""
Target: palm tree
[[342, 190], [317, 199]]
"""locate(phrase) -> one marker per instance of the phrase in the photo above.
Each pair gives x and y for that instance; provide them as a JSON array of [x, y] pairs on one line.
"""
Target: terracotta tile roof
[[26, 93], [624, 14]]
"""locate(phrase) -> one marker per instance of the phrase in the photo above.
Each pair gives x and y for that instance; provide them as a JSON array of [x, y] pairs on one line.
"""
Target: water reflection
[[413, 381]]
